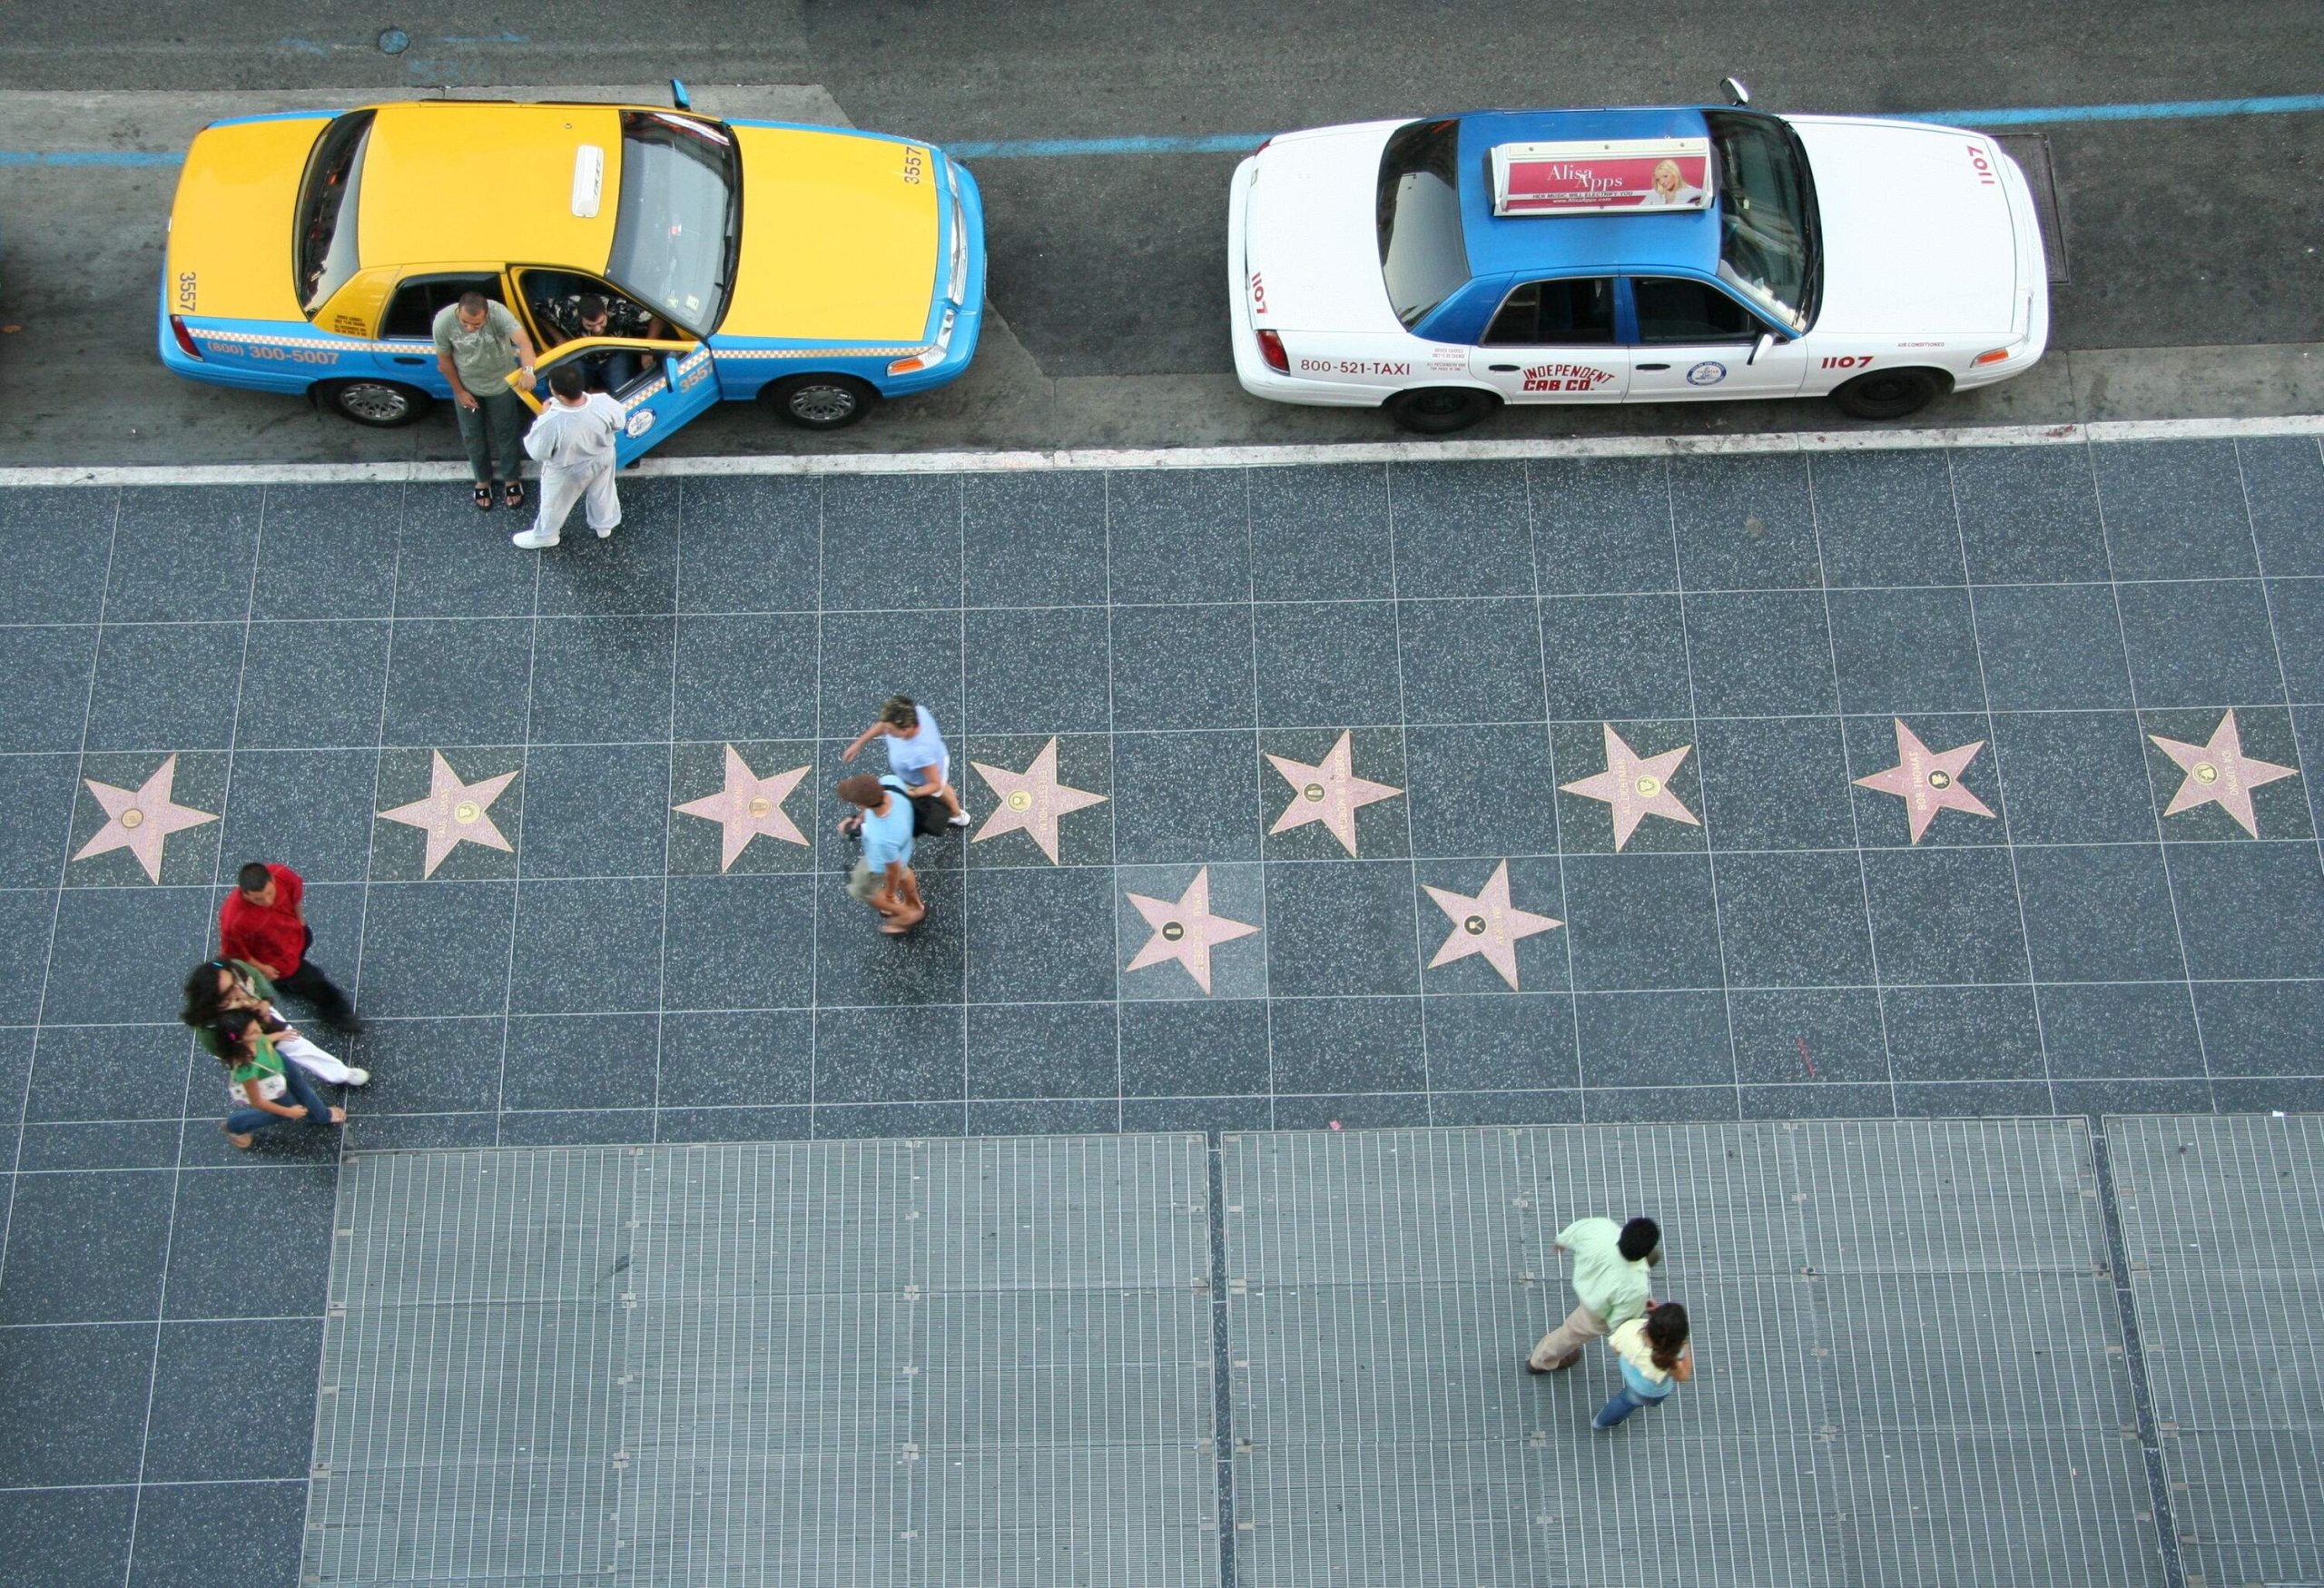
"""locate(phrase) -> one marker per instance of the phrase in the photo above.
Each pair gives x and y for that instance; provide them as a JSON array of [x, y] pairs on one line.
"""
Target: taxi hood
[[839, 236], [1918, 237], [1311, 233], [230, 252]]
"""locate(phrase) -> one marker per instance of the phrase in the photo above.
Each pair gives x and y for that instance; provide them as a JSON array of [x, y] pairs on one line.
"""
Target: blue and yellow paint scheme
[[309, 251]]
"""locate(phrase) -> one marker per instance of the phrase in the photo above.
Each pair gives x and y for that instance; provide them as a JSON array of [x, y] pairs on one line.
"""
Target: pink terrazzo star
[[1927, 780], [1637, 786], [2220, 774], [1185, 930], [141, 820], [454, 812], [1487, 924], [748, 807], [1031, 800], [1328, 791]]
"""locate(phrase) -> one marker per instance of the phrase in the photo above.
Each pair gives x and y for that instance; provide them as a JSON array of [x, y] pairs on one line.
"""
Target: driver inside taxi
[[610, 370]]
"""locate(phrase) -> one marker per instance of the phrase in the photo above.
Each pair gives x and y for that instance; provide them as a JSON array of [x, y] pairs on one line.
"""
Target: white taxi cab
[[1441, 267]]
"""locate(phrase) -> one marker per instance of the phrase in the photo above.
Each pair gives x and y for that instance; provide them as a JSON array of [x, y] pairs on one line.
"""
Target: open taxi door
[[661, 384]]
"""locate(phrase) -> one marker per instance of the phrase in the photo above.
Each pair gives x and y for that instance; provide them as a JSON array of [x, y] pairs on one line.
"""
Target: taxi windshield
[[326, 244], [1424, 258], [1767, 229], [679, 217]]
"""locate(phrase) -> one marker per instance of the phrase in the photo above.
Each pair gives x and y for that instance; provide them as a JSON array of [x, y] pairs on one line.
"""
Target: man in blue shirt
[[883, 876]]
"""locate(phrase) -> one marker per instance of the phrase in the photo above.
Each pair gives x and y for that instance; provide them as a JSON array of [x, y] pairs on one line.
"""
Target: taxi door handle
[[1652, 366], [1502, 369], [401, 359]]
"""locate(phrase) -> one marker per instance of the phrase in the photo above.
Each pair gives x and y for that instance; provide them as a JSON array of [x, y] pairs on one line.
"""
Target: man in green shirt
[[478, 344], [1609, 1282]]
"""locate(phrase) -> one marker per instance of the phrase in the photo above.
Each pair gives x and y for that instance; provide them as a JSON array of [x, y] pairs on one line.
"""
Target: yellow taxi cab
[[814, 268]]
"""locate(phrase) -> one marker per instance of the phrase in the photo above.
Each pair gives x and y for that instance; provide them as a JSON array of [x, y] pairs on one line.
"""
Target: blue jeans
[[243, 1121], [1626, 1401]]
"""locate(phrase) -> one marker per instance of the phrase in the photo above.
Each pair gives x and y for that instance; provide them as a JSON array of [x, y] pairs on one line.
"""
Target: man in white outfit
[[572, 441]]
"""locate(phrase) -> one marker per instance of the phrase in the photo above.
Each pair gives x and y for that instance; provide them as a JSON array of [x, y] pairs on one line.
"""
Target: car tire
[[1890, 394], [383, 404], [1439, 410], [820, 403]]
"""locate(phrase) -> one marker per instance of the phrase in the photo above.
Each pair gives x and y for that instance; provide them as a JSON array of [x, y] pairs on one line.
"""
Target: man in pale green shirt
[[1610, 1283], [478, 345]]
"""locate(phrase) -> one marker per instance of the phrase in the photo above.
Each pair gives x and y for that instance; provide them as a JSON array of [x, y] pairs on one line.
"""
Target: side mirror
[[1735, 90], [1768, 343], [680, 98]]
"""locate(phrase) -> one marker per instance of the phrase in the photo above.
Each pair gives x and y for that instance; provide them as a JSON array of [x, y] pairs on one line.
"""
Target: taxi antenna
[[685, 100], [1737, 92]]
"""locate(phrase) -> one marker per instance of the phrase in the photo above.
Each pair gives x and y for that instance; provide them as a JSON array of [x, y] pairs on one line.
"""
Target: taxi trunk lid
[[839, 236], [230, 244], [1311, 235], [1919, 234]]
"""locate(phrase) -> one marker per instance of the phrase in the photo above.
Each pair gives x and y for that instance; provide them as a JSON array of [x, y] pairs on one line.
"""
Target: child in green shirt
[[258, 1080]]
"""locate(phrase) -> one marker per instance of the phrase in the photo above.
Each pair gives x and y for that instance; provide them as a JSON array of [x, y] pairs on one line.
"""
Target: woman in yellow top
[[1655, 1360], [259, 1079]]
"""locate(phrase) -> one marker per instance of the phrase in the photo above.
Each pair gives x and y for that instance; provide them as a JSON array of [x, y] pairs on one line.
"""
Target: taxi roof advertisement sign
[[1599, 176]]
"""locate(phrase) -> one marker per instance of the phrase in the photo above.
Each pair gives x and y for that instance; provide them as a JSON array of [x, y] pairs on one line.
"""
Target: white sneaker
[[534, 541], [959, 821], [607, 532], [356, 1077]]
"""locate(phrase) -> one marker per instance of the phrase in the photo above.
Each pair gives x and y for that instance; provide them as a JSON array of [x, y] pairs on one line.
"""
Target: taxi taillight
[[1271, 349], [185, 336], [1995, 356]]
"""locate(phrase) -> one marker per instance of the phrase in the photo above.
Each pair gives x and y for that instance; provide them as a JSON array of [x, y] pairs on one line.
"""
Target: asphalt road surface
[[2183, 233]]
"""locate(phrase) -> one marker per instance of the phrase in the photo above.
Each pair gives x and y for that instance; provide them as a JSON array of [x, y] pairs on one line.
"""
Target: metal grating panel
[[2219, 1219], [838, 1362], [1872, 1406]]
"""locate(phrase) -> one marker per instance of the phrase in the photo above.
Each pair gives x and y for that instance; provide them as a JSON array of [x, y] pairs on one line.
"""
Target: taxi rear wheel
[[820, 403], [1437, 411], [1890, 394], [381, 404]]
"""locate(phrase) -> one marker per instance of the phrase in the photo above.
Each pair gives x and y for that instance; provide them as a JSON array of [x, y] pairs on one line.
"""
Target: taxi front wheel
[[1439, 410], [820, 403], [382, 404], [1890, 394]]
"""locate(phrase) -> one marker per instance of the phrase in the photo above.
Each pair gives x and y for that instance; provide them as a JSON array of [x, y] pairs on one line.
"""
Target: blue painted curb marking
[[2165, 109]]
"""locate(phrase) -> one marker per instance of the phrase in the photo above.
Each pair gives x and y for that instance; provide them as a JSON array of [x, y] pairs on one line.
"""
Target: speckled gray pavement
[[306, 653]]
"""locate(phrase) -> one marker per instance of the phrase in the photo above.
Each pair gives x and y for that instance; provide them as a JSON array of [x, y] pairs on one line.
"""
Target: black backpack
[[929, 816]]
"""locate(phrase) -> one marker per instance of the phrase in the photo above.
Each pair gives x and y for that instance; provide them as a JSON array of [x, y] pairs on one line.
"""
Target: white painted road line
[[1216, 456]]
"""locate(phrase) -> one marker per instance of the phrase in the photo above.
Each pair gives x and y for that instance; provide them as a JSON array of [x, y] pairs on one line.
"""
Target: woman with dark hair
[[215, 988], [258, 1081], [1655, 1360]]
